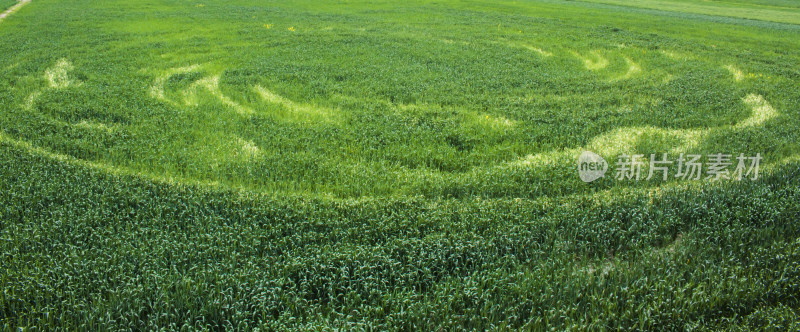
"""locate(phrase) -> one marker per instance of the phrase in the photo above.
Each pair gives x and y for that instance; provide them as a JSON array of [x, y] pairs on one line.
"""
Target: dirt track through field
[[13, 9]]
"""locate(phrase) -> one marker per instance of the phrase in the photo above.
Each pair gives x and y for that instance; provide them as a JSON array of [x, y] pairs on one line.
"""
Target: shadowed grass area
[[375, 164]]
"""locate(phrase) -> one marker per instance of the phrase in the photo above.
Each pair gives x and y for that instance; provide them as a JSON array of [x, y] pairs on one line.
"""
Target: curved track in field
[[13, 9], [616, 141], [193, 85]]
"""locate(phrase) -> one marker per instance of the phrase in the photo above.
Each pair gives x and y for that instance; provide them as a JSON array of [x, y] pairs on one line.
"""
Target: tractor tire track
[[13, 9]]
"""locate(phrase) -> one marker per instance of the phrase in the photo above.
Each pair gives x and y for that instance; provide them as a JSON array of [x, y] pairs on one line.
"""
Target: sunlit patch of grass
[[628, 140], [30, 100], [211, 85], [762, 111], [57, 76], [157, 89], [676, 55], [529, 47], [738, 75], [94, 126], [593, 60], [248, 148], [297, 110], [633, 68], [493, 122]]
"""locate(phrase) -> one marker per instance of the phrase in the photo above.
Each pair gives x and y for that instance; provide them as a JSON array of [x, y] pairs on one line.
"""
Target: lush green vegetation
[[239, 164], [389, 103], [767, 10], [5, 4]]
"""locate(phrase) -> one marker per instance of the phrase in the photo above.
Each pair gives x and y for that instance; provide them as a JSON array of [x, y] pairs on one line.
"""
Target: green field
[[4, 4], [395, 165], [786, 11]]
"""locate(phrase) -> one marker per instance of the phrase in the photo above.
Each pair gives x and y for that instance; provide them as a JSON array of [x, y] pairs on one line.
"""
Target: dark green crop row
[[84, 249]]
